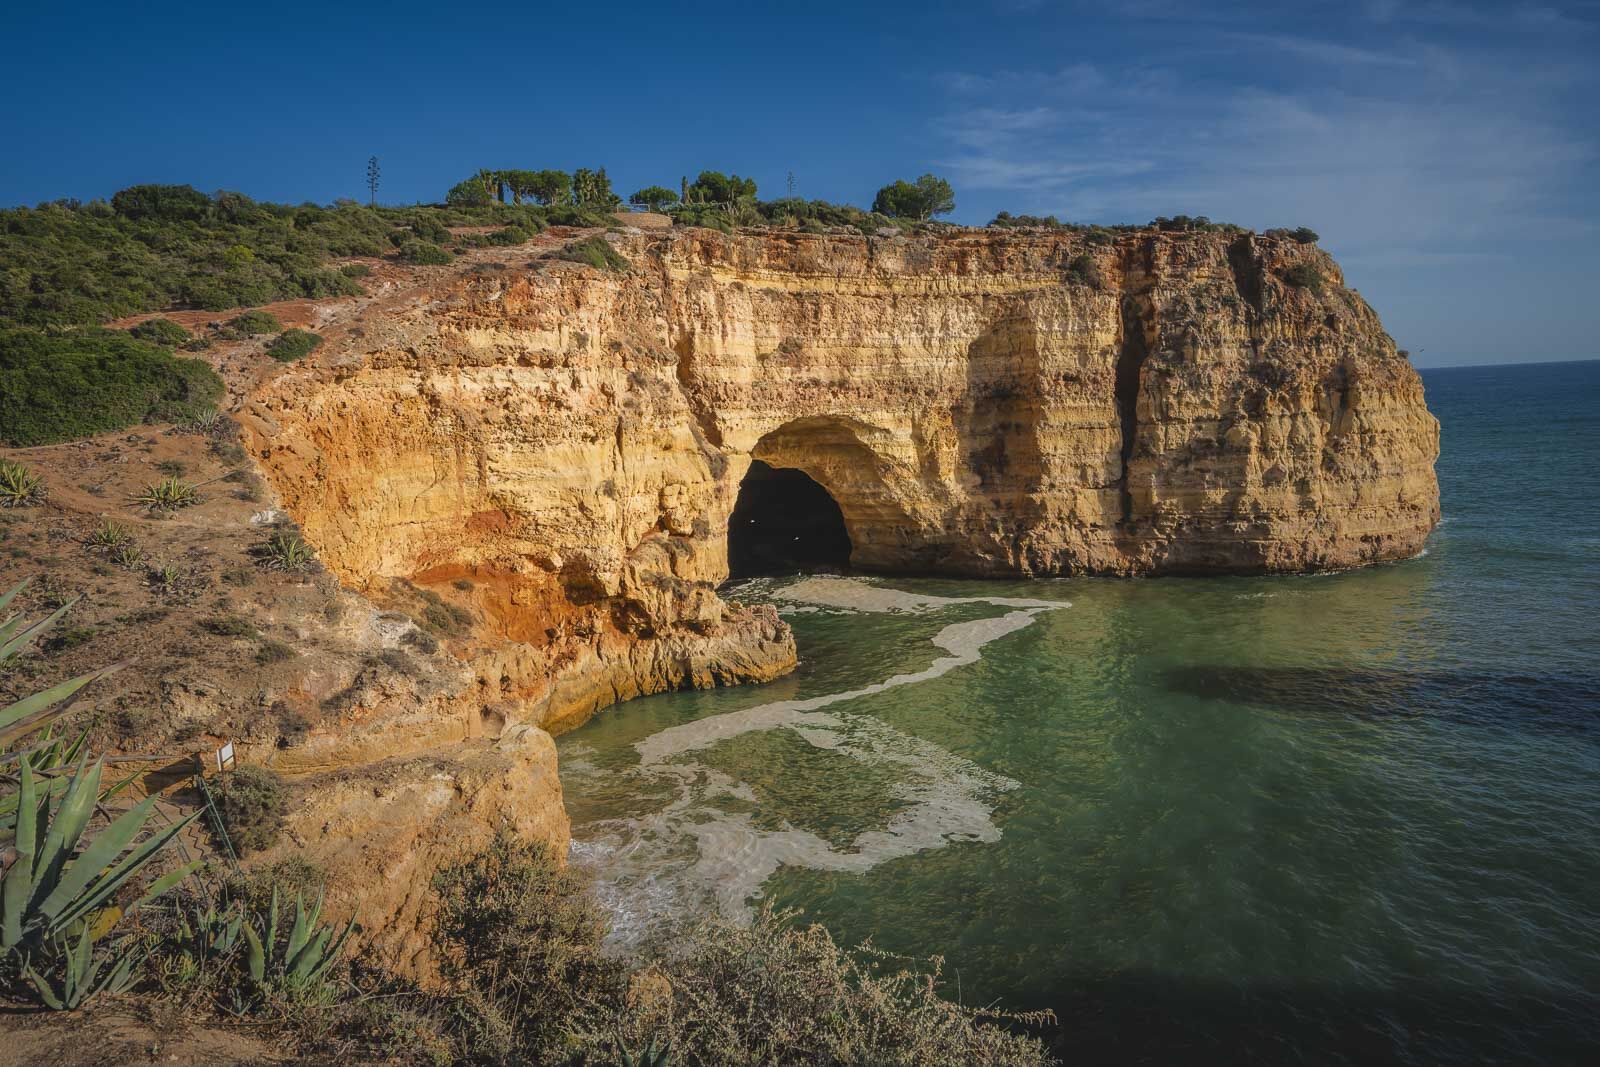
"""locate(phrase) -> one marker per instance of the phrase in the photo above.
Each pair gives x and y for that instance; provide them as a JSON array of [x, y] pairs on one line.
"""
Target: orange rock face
[[986, 403], [571, 442]]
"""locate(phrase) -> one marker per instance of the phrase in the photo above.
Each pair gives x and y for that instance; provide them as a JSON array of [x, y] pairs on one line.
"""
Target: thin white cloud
[[1527, 18], [1421, 153], [1318, 51]]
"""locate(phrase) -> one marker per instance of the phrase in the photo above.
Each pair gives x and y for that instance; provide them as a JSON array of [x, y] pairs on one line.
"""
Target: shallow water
[[1351, 817]]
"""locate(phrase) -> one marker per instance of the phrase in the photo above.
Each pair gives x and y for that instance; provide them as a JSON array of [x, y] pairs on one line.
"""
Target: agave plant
[[36, 711], [164, 578], [55, 897], [81, 967], [204, 935], [169, 494], [127, 555], [47, 753], [306, 955], [205, 423], [19, 485], [110, 535], [285, 551], [52, 888]]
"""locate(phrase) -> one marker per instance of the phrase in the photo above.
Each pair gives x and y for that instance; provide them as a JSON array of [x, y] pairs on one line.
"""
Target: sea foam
[[692, 852]]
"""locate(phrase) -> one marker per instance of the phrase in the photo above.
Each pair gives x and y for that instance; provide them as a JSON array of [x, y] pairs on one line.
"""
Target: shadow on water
[[1154, 1019], [1567, 702]]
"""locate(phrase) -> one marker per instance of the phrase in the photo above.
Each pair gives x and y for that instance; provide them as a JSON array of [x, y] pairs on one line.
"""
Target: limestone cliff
[[556, 450]]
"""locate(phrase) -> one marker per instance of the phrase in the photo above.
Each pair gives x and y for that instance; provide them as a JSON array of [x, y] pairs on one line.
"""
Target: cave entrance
[[784, 522]]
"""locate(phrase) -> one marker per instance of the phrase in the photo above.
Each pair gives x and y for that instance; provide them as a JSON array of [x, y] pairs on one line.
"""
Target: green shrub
[[1304, 276], [424, 254], [597, 252], [57, 387], [70, 264], [1191, 224], [272, 651], [292, 345], [511, 235], [253, 324], [230, 626], [1303, 235], [355, 270], [253, 802], [167, 202], [19, 486], [570, 215], [162, 332], [1083, 270], [425, 227]]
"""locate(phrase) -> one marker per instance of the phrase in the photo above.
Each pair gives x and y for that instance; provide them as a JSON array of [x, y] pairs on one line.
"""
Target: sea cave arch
[[785, 521], [822, 493]]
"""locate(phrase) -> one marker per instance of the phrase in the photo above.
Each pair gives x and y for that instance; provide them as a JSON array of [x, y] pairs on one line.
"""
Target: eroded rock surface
[[553, 452]]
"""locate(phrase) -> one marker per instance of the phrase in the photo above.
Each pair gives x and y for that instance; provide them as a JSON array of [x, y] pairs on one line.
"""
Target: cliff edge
[[555, 449]]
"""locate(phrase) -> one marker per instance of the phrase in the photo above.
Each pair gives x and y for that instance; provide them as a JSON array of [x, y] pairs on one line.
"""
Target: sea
[[1336, 818]]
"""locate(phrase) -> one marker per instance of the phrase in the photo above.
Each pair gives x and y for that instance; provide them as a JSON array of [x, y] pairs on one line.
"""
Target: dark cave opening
[[785, 522]]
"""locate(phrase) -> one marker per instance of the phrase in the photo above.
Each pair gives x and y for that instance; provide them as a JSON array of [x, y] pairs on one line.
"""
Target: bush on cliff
[[254, 801], [1304, 276], [1303, 235], [292, 345], [61, 386], [1083, 270], [162, 332], [921, 199], [424, 254], [520, 940], [597, 252]]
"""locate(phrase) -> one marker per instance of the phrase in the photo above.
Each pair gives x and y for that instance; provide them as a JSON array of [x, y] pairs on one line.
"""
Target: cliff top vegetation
[[69, 266]]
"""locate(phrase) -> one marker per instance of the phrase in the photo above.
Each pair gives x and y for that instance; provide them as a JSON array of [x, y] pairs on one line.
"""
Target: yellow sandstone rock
[[572, 442]]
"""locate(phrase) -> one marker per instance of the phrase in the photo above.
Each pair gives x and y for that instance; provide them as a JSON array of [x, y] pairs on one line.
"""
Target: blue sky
[[1446, 151]]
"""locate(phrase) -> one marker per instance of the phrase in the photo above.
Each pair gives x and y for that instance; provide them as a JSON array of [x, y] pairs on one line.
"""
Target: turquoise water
[[1345, 818]]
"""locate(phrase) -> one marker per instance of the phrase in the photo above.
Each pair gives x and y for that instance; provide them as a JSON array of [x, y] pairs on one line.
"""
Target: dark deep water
[[1349, 818]]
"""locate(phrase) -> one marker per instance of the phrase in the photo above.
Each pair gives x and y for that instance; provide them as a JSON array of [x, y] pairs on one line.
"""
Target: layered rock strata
[[554, 451]]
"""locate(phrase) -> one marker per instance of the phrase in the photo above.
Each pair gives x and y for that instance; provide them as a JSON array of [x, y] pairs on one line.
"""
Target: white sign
[[225, 757]]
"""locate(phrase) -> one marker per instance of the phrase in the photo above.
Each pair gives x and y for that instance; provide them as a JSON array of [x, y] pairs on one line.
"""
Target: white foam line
[[853, 593], [947, 795], [962, 640]]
